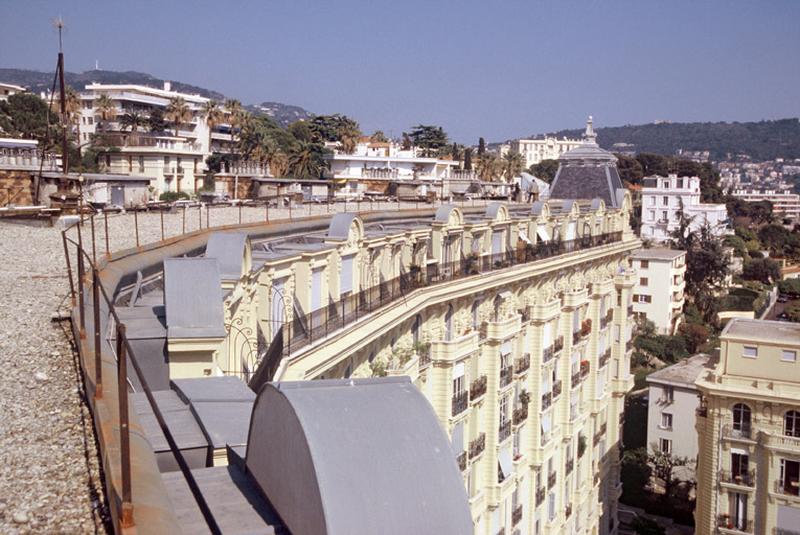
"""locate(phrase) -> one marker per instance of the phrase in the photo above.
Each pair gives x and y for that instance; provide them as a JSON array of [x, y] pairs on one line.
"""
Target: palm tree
[[348, 136], [214, 117], [132, 120], [513, 164], [488, 166], [236, 118], [279, 164], [304, 161], [178, 112], [107, 108]]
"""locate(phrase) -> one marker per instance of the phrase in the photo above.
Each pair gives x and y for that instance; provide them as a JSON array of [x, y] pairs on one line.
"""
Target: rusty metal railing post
[[69, 267], [105, 223], [208, 216], [136, 224], [94, 248], [126, 519], [81, 287], [183, 223], [98, 373], [162, 224]]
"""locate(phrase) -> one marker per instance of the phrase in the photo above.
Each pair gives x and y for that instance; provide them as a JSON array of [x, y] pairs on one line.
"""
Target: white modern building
[[672, 403], [373, 165], [547, 148], [783, 202], [658, 295], [175, 161], [6, 90], [663, 198]]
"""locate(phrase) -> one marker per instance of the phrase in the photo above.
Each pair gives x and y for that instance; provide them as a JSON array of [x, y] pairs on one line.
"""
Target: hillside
[[37, 81], [763, 140]]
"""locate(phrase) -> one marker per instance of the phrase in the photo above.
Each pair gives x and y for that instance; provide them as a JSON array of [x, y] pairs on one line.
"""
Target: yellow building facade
[[748, 424]]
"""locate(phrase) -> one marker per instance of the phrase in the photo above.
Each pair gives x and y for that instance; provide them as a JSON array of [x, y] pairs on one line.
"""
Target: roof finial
[[589, 135]]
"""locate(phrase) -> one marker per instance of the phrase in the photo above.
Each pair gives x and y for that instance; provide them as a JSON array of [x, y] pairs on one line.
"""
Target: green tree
[[635, 474], [694, 334], [545, 170], [763, 270], [306, 161], [489, 167], [237, 117], [630, 170], [107, 109], [133, 120], [25, 115], [513, 164], [334, 128], [430, 139], [645, 526], [664, 465], [481, 146], [156, 122], [214, 117], [468, 159], [378, 137], [178, 113]]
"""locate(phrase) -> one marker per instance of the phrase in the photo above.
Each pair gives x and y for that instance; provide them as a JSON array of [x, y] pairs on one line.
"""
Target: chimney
[[167, 86]]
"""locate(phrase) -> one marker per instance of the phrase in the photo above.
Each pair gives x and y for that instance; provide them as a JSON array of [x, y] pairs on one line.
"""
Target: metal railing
[[556, 389], [516, 515], [790, 487], [551, 480], [460, 402], [745, 478], [477, 388], [547, 400], [462, 461], [522, 364], [504, 431], [740, 431], [520, 414], [736, 524], [477, 446], [86, 284], [506, 375]]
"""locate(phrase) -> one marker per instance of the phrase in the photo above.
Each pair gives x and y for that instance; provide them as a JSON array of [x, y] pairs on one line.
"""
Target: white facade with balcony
[[6, 90], [174, 162], [663, 198], [548, 148], [783, 202], [659, 292]]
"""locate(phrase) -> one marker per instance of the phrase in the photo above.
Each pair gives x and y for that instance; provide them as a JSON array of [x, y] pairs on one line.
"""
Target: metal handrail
[[124, 352]]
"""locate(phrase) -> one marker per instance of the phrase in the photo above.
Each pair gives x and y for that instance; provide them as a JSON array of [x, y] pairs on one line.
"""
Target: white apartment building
[[783, 202], [372, 165], [6, 90], [664, 197], [659, 292], [671, 405], [174, 162], [547, 148]]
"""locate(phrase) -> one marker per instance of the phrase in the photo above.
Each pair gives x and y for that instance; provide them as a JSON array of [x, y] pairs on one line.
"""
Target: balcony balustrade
[[787, 486], [547, 400], [516, 515], [522, 364], [735, 524], [547, 354], [504, 431], [521, 414], [742, 431], [477, 388], [569, 465], [460, 402], [540, 493], [551, 480], [585, 368], [577, 377], [558, 345], [744, 479], [556, 389], [604, 358], [477, 446], [506, 374], [462, 461], [608, 318]]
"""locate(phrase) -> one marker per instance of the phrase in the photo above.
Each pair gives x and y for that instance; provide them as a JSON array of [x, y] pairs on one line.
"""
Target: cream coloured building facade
[[658, 295], [547, 148], [522, 349], [748, 429]]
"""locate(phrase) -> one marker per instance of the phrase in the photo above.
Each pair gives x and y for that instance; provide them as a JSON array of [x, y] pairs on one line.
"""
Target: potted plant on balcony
[[524, 397]]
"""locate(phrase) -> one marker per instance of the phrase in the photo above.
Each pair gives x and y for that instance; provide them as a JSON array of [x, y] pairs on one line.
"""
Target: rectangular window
[[652, 215], [680, 183], [141, 164], [664, 216], [347, 274], [644, 264], [645, 298], [665, 201], [750, 352], [788, 355], [666, 420], [665, 445], [643, 281]]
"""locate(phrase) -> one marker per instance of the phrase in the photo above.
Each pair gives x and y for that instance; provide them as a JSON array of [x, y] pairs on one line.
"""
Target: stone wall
[[16, 187]]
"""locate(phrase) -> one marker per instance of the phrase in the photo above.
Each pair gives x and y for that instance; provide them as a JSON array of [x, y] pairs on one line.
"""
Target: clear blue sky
[[492, 69]]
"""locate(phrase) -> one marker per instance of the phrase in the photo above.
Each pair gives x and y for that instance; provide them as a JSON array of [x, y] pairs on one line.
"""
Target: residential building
[[748, 426], [658, 294], [175, 158], [6, 90], [784, 202], [671, 406], [664, 198], [546, 148], [380, 167]]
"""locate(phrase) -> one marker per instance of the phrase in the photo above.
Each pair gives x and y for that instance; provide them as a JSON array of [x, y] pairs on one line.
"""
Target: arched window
[[448, 323], [741, 420], [416, 328], [791, 424]]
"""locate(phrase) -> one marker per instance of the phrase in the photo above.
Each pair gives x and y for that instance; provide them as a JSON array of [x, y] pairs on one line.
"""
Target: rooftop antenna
[[59, 24]]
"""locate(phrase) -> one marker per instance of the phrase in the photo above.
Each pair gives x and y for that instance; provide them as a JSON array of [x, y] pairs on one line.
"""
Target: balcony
[[556, 389], [577, 377], [547, 400], [478, 388], [604, 358], [728, 524], [521, 365], [460, 402], [477, 446], [506, 374], [608, 318], [455, 349], [504, 431], [742, 479], [540, 493], [742, 433], [521, 414], [787, 487], [462, 461], [548, 354], [569, 465], [600, 434], [630, 310], [781, 442], [551, 480], [558, 345], [516, 515]]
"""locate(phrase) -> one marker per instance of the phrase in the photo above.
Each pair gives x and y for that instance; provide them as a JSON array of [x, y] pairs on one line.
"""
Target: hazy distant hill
[[763, 140], [37, 81]]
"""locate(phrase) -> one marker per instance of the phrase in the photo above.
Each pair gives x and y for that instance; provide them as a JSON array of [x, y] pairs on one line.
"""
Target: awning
[[524, 237], [739, 451], [458, 370], [504, 460], [505, 348], [542, 233]]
